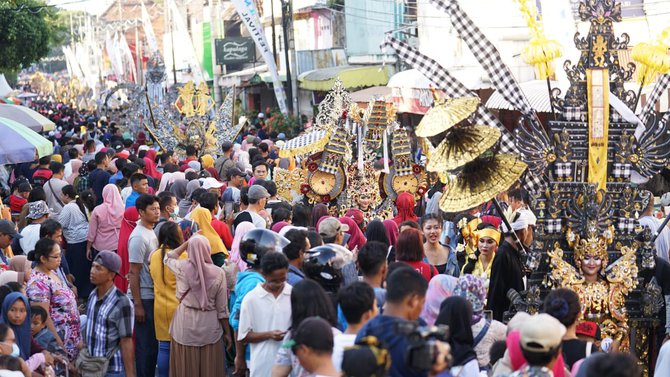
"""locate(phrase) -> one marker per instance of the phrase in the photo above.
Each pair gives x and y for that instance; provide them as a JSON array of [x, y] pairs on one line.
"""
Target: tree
[[27, 30]]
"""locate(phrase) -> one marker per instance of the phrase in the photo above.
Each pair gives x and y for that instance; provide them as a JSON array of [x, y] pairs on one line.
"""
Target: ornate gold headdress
[[592, 247]]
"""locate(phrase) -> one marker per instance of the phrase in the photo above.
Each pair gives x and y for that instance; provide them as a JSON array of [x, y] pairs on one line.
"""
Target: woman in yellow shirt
[[488, 239], [165, 286]]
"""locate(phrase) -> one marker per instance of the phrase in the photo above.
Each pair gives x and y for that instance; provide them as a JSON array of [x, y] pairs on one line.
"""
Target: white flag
[[149, 31]]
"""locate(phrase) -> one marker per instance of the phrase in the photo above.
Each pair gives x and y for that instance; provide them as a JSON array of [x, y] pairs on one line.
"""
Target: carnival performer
[[488, 239]]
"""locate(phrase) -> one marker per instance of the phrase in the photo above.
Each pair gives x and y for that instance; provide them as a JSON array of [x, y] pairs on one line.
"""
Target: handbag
[[93, 366]]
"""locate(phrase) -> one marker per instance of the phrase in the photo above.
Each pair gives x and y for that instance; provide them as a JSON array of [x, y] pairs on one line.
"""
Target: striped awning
[[308, 143], [536, 91]]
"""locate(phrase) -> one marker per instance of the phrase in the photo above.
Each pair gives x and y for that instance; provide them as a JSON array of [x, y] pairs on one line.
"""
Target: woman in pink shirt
[[105, 222]]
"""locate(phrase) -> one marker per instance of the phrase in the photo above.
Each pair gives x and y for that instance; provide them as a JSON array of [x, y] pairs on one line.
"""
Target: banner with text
[[249, 15]]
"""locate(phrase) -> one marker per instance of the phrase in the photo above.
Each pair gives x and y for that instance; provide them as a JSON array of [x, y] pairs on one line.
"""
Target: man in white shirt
[[265, 315], [54, 188], [74, 155], [258, 198], [358, 303]]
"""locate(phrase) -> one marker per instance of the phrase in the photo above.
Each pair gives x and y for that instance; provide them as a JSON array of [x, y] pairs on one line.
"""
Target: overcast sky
[[91, 6]]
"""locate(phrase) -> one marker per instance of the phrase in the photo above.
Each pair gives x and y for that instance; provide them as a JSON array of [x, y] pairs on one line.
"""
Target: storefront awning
[[237, 78], [351, 77]]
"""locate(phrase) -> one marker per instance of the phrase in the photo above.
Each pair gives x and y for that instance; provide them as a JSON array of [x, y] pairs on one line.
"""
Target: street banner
[[149, 34]]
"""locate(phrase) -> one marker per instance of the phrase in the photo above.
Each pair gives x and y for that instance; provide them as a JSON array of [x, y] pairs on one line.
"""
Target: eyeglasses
[[55, 256]]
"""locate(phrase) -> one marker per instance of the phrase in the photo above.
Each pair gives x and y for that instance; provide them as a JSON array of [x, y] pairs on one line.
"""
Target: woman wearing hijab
[[105, 223], [198, 326], [76, 165], [320, 210], [392, 232], [186, 203], [235, 257], [203, 218], [456, 312], [440, 288], [130, 218], [20, 327], [485, 331], [356, 237], [150, 168], [23, 268], [405, 204], [178, 188], [207, 162]]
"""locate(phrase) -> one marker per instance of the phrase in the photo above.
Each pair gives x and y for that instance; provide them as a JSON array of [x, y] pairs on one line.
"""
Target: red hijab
[[391, 231], [130, 218], [150, 165], [356, 234], [405, 204]]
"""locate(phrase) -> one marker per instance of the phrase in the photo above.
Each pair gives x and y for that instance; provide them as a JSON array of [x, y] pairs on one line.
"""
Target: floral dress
[[62, 308]]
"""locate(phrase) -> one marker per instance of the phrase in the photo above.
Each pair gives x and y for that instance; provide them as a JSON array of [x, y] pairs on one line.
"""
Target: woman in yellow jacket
[[165, 286]]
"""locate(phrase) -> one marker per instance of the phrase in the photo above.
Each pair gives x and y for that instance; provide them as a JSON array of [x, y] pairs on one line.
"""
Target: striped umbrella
[[27, 117], [21, 144]]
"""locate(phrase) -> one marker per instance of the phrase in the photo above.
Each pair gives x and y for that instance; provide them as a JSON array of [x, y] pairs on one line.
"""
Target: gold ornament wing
[[563, 274], [623, 271]]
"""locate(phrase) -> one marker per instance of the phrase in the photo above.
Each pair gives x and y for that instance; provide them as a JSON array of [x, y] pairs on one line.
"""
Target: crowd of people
[[122, 259]]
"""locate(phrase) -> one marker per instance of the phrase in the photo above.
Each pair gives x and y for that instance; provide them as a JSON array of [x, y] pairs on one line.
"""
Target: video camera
[[422, 352], [517, 304]]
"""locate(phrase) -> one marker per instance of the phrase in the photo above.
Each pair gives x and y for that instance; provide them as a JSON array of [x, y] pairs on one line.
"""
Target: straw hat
[[460, 146], [446, 114]]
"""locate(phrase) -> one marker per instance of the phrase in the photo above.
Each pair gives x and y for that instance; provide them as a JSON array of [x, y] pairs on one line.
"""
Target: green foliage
[[27, 30], [289, 125]]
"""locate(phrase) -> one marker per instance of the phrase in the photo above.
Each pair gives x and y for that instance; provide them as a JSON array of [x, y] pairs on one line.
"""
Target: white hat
[[524, 218], [261, 115], [541, 333], [210, 183]]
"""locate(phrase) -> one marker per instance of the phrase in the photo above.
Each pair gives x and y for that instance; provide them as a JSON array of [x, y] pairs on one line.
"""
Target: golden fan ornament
[[445, 115], [652, 58], [480, 181], [460, 146]]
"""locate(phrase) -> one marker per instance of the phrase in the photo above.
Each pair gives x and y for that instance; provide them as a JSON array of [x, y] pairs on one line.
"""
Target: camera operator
[[405, 296]]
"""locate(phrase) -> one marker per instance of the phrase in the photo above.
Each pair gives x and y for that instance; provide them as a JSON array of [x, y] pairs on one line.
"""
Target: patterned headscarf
[[472, 288]]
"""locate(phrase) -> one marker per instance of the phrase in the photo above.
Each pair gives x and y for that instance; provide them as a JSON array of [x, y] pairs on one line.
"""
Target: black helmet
[[323, 264], [257, 242]]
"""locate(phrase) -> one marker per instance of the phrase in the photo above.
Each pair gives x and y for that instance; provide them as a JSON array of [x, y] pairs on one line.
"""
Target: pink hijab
[[200, 272], [235, 257], [517, 361], [76, 164], [392, 231], [357, 238], [439, 288], [110, 212]]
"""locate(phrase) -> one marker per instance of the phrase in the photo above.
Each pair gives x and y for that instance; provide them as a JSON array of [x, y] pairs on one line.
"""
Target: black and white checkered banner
[[656, 92], [442, 79]]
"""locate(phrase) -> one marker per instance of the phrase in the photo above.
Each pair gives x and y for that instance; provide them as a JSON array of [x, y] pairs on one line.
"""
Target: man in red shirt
[[210, 201], [43, 172]]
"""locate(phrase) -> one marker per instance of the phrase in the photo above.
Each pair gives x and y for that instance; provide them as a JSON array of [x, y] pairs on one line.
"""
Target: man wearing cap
[[8, 234], [541, 338], [507, 270], [236, 180], [212, 185], [332, 231], [258, 197], [109, 322], [37, 212], [225, 161]]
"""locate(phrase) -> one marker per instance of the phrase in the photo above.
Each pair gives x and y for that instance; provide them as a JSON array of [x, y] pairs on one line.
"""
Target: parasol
[[308, 143], [26, 117], [445, 115], [460, 146], [480, 181], [20, 144]]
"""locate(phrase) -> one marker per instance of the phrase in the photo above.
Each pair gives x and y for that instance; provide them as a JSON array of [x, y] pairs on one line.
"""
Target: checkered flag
[[454, 88], [659, 88]]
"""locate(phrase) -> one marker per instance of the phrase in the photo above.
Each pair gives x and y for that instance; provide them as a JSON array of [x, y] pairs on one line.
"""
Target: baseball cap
[[281, 136], [590, 329], [261, 115], [37, 209], [541, 333], [210, 183], [110, 260], [257, 192], [314, 333], [7, 227], [235, 172], [124, 154], [330, 227]]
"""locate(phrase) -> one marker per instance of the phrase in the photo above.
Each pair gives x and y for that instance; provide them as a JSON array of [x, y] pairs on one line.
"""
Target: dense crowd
[[122, 259]]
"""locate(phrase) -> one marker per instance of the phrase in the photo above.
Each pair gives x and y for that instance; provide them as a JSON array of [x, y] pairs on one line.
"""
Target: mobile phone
[[228, 208]]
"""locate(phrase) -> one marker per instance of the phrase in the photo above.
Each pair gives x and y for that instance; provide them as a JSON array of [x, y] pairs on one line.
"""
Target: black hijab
[[456, 312]]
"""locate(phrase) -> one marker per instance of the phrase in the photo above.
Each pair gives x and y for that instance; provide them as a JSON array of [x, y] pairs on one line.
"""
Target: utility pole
[[286, 20], [274, 36], [174, 64]]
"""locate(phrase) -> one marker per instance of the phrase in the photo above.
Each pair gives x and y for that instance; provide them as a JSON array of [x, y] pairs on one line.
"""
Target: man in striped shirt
[[109, 326]]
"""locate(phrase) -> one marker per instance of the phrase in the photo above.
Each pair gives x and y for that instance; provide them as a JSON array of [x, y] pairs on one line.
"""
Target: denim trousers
[[116, 374], [163, 359], [146, 345]]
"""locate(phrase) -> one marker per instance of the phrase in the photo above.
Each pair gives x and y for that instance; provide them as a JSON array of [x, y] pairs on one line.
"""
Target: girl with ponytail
[[74, 219]]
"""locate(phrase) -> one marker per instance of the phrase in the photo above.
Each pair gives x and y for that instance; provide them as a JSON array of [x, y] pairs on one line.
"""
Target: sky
[[95, 7]]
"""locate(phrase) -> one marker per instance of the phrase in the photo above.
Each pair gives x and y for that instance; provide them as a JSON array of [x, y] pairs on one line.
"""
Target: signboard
[[235, 50]]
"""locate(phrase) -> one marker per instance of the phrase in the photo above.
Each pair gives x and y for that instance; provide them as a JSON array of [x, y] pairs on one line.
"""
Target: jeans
[[163, 359], [146, 345], [116, 374]]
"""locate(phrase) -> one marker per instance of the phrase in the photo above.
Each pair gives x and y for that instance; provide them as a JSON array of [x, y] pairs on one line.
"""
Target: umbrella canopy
[[20, 144], [27, 117]]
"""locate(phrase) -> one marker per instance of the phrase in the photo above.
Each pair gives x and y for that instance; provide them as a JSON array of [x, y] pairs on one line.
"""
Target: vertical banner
[[184, 44], [149, 34], [249, 15], [597, 85]]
